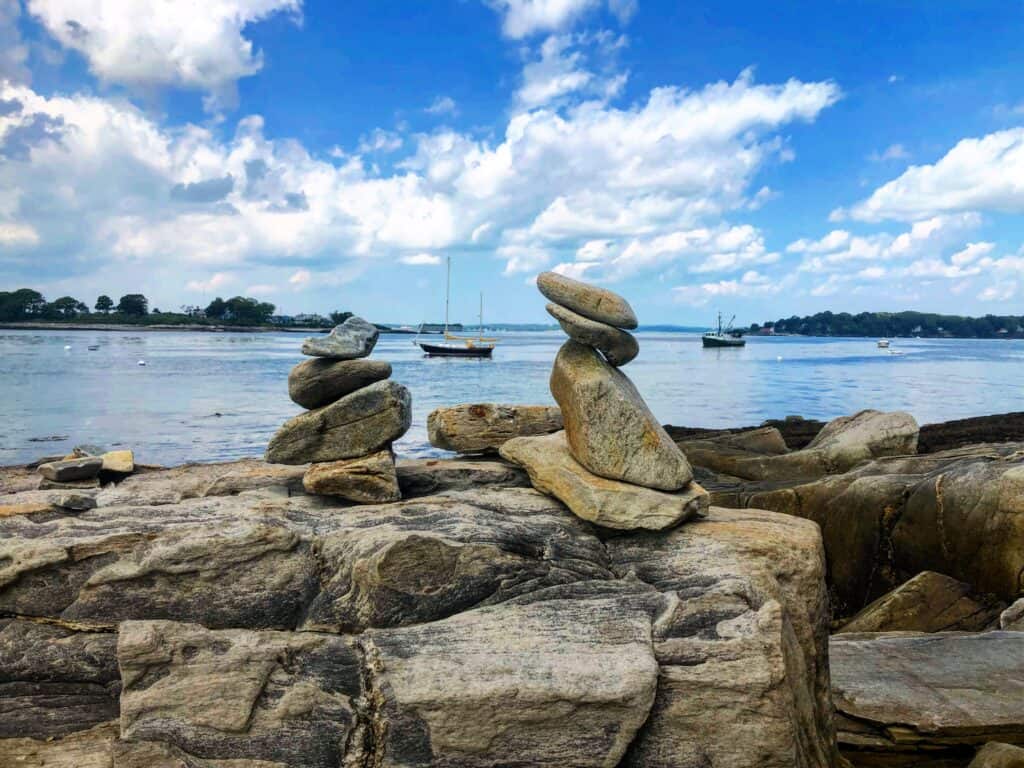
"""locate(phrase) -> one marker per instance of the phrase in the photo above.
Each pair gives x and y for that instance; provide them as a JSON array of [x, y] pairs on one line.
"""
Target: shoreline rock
[[322, 380], [369, 479], [617, 346], [484, 427], [352, 339], [588, 300]]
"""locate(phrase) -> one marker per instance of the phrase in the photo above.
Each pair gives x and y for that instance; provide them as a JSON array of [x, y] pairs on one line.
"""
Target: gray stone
[[923, 698], [588, 300], [996, 755], [484, 427], [608, 503], [1013, 617], [357, 424], [320, 381], [76, 501], [610, 430], [368, 479], [352, 339], [422, 477], [71, 470], [45, 484], [618, 347]]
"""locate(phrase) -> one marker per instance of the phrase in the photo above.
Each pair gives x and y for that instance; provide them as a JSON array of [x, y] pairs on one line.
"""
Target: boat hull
[[717, 341], [441, 350]]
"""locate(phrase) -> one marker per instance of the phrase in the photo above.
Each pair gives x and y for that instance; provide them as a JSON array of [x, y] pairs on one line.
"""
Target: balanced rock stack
[[355, 413], [613, 464]]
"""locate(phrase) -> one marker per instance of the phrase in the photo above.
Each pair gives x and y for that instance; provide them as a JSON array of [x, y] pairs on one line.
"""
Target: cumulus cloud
[[752, 283], [975, 175], [442, 105], [13, 50], [892, 152], [1002, 292], [561, 69], [216, 281], [421, 260], [522, 18], [12, 233], [158, 43]]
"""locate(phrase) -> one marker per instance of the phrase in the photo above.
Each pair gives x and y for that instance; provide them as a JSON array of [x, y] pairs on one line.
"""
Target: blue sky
[[764, 161]]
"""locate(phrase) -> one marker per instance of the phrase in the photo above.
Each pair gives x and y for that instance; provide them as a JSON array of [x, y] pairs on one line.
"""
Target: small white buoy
[[778, 359], [67, 346], [142, 362]]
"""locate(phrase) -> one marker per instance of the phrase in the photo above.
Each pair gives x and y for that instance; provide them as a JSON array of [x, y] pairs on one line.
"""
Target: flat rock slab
[[921, 693], [422, 477], [929, 602], [617, 346], [608, 503], [610, 429], [352, 339], [366, 480], [588, 300], [319, 382], [71, 470], [484, 427], [92, 748], [356, 425]]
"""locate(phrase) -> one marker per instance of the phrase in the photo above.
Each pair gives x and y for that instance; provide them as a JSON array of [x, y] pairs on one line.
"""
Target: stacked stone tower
[[613, 464], [355, 413]]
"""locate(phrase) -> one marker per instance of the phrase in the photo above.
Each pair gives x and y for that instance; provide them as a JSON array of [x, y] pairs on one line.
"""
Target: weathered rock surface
[[850, 440], [54, 681], [608, 503], [357, 424], [996, 755], [352, 339], [367, 480], [1013, 617], [71, 470], [588, 300], [422, 477], [76, 501], [122, 461], [493, 607], [618, 347], [320, 381], [926, 699], [929, 602], [484, 427], [610, 430]]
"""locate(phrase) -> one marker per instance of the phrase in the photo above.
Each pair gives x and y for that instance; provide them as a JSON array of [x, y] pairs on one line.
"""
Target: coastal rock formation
[[352, 339], [259, 625], [1013, 617], [996, 755], [484, 427], [608, 503], [122, 461], [618, 347], [610, 430], [320, 381], [71, 470], [422, 477], [589, 301], [359, 423], [926, 699], [929, 602], [368, 479]]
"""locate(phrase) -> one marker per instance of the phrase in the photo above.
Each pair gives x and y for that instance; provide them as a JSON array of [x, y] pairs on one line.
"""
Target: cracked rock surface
[[217, 616]]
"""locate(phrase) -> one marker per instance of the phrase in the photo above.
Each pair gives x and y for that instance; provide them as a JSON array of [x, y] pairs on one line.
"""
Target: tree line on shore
[[884, 324], [28, 305]]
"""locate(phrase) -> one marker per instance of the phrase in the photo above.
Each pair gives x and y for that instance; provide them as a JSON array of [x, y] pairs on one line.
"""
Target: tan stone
[[929, 602], [609, 427], [118, 461], [27, 508], [367, 480], [588, 300], [608, 503], [483, 427], [996, 755], [91, 748], [618, 347]]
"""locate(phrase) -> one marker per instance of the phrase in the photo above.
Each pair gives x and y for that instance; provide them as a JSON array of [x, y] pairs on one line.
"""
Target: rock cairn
[[613, 464], [355, 412]]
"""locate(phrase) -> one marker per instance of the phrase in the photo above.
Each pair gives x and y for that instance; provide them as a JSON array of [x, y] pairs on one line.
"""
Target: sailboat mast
[[481, 331], [447, 294]]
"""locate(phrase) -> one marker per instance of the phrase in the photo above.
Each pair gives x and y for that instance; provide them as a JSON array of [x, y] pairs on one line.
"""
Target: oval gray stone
[[590, 301], [618, 347], [353, 338], [322, 380], [357, 424], [70, 470], [610, 429]]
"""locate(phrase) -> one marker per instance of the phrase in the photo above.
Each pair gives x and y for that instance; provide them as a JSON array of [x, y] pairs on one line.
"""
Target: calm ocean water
[[205, 396]]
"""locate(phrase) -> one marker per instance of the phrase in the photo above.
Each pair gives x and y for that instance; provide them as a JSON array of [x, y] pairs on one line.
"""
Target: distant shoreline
[[197, 327]]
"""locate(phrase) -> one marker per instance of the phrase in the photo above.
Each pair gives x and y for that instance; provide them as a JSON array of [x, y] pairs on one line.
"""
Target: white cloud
[[892, 152], [260, 289], [12, 234], [1001, 292], [522, 18], [158, 43], [563, 66], [421, 260], [833, 241], [975, 175], [13, 50], [971, 252], [750, 284], [215, 281], [380, 140], [300, 279], [442, 105]]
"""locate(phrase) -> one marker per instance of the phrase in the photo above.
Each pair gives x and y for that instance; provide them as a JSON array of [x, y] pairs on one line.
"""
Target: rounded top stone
[[587, 300], [351, 340]]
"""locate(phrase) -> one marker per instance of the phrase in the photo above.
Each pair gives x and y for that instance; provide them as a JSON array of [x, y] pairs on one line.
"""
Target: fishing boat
[[454, 345], [883, 343], [723, 337]]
